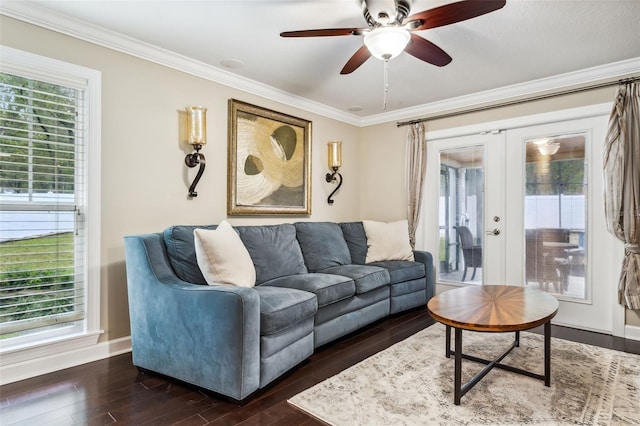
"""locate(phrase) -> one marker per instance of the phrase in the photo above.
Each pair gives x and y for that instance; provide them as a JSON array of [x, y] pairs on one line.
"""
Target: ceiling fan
[[390, 32]]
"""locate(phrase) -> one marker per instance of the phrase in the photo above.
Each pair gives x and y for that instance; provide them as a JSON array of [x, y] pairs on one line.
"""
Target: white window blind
[[43, 198]]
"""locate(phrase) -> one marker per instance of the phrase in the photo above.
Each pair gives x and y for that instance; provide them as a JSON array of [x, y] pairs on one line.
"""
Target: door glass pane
[[461, 215], [555, 215]]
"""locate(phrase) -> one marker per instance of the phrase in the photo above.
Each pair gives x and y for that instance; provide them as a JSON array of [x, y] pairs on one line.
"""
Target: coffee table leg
[[547, 353], [517, 339], [457, 386], [447, 345]]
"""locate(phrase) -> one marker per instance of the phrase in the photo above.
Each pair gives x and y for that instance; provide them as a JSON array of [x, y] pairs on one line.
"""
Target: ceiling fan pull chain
[[386, 84]]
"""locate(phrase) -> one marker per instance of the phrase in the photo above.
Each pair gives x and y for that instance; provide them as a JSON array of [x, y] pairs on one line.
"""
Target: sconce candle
[[335, 154], [197, 125], [335, 162], [197, 128]]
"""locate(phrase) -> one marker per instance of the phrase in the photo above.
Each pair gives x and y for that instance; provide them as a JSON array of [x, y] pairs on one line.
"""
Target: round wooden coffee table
[[498, 309]]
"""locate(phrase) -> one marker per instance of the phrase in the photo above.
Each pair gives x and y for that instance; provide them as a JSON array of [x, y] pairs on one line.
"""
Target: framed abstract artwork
[[268, 162]]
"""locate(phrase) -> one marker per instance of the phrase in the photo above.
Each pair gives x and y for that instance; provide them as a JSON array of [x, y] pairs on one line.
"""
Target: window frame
[[53, 342]]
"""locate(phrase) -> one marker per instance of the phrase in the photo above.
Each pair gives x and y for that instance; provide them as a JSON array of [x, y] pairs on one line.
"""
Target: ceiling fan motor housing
[[385, 12]]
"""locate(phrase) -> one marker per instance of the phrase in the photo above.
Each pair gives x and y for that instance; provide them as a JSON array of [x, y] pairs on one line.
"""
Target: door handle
[[494, 231]]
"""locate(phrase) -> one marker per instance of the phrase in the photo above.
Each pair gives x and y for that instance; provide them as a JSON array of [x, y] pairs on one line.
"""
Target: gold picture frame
[[268, 167]]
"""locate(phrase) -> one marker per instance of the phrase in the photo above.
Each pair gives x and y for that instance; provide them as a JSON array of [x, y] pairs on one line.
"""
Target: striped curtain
[[416, 169], [622, 187]]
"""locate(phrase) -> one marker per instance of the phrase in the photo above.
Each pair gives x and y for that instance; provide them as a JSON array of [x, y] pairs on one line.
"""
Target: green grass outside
[[32, 266], [37, 253]]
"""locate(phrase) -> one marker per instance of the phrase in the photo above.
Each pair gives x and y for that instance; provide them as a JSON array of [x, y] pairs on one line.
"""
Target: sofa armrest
[[426, 258], [205, 335]]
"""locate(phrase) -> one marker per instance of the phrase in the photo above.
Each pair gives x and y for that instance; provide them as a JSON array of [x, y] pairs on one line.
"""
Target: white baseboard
[[632, 332], [59, 361]]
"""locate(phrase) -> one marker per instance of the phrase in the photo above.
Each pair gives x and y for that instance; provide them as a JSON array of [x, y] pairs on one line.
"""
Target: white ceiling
[[526, 41]]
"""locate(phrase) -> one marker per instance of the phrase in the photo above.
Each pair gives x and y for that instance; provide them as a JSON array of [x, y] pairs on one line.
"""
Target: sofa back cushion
[[322, 244], [356, 240], [182, 252], [274, 250]]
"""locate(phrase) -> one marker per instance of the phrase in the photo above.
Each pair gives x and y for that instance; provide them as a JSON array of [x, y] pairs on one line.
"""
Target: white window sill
[[46, 348]]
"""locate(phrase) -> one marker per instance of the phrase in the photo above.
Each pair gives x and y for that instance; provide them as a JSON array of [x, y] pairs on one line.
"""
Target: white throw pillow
[[223, 258], [387, 241]]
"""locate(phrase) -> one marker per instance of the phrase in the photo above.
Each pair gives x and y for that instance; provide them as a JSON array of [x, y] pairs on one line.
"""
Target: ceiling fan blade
[[427, 51], [358, 58], [454, 12], [329, 32]]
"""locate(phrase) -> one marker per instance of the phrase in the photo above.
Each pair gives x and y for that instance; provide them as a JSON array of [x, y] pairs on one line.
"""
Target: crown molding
[[45, 18], [578, 78], [54, 21]]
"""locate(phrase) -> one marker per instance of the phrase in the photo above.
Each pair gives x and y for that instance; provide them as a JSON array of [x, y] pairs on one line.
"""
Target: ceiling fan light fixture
[[387, 42]]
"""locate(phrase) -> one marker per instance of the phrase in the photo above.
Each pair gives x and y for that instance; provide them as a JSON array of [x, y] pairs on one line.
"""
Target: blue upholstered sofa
[[312, 287]]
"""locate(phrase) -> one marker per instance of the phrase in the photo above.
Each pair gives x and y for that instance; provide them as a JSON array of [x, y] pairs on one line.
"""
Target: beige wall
[[144, 179], [383, 168]]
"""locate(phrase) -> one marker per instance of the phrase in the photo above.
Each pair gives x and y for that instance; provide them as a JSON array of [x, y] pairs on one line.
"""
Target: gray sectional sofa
[[312, 287]]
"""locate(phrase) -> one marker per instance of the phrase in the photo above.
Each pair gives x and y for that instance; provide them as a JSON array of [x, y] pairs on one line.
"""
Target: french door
[[524, 207], [469, 217]]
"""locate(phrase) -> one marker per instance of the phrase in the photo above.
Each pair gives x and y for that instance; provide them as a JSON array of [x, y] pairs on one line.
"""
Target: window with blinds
[[42, 206]]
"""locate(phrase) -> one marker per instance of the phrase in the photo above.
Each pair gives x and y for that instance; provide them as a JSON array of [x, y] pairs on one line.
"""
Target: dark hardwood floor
[[113, 391]]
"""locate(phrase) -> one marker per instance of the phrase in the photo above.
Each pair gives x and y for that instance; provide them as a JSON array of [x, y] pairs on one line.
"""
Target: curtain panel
[[622, 187], [416, 170]]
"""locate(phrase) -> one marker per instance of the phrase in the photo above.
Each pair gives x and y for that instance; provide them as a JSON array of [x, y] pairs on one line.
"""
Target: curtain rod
[[520, 101]]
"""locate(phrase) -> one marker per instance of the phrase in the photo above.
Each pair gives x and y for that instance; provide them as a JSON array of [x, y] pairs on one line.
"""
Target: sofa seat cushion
[[322, 245], [274, 250], [402, 270], [407, 287], [352, 305], [366, 277], [328, 288], [274, 343], [281, 308]]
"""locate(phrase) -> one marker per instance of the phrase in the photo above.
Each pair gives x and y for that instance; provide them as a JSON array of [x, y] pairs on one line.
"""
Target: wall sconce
[[335, 162], [197, 127]]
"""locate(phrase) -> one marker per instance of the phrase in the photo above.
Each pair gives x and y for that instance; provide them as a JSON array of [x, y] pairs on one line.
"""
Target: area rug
[[411, 383]]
